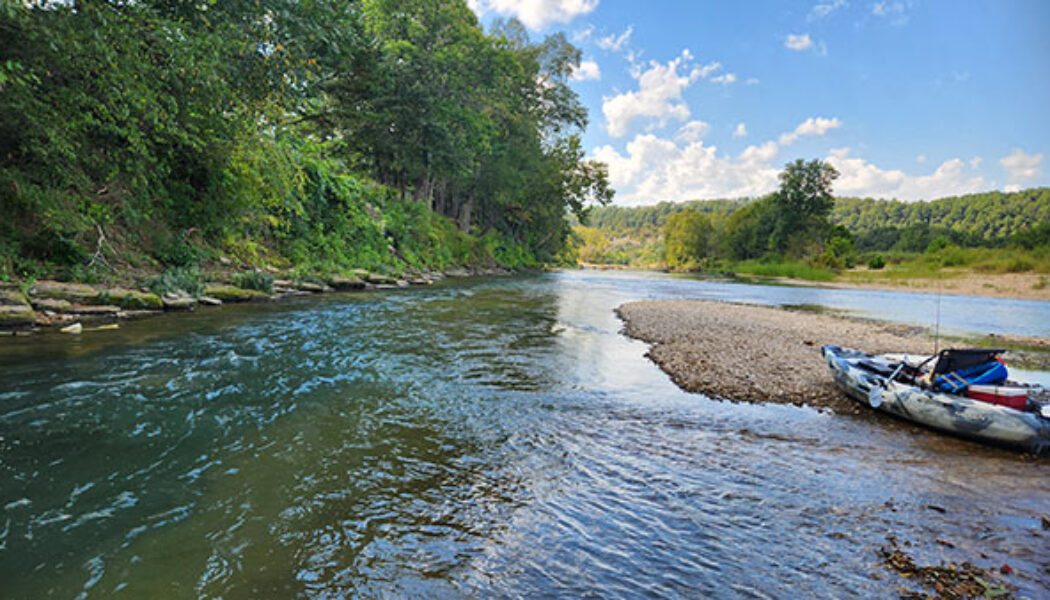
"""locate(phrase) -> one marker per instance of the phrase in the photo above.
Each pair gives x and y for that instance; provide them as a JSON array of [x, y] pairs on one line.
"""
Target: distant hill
[[988, 216]]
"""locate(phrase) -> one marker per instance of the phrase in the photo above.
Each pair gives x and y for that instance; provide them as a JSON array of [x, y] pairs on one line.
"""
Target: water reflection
[[495, 438]]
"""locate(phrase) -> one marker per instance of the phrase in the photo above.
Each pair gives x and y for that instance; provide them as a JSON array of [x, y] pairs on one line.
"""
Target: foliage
[[688, 240], [328, 135], [178, 281], [254, 280], [876, 262]]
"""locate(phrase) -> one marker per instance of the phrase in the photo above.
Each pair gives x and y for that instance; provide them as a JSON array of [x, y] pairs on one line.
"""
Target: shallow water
[[494, 438]]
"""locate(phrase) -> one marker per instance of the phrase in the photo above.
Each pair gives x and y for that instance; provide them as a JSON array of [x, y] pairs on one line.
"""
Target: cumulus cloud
[[658, 97], [810, 127], [798, 42], [704, 71], [615, 43], [654, 169], [536, 14], [587, 71], [1020, 165], [692, 131], [858, 177], [740, 130], [725, 78]]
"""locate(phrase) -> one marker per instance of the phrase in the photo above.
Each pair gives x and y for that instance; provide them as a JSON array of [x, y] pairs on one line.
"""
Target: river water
[[487, 438]]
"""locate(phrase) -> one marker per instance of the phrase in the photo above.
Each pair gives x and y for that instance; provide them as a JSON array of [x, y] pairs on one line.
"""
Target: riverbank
[[1024, 286], [757, 353], [77, 307]]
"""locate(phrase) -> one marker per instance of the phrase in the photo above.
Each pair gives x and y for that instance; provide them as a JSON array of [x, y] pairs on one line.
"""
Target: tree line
[[345, 131]]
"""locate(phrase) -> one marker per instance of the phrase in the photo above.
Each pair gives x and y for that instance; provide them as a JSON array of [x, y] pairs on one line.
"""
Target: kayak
[[896, 385]]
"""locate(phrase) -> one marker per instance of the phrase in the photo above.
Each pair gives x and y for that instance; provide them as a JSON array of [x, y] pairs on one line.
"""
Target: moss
[[131, 299], [229, 293], [77, 293], [16, 316]]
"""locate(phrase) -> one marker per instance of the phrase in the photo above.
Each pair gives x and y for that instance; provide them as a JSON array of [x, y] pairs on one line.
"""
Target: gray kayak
[[869, 380]]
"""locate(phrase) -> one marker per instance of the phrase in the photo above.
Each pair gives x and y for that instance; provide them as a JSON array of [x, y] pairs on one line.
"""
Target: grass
[[788, 269]]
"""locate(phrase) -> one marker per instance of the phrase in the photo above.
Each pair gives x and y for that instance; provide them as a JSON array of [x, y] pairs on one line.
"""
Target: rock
[[137, 314], [74, 328], [361, 274], [11, 295], [401, 283], [229, 293], [179, 304], [104, 309], [271, 269], [457, 273], [78, 293], [225, 261], [307, 286], [208, 300], [346, 283], [378, 279], [12, 316], [132, 299], [285, 283]]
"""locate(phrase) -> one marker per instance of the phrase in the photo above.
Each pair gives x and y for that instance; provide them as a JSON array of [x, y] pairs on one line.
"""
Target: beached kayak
[[895, 385]]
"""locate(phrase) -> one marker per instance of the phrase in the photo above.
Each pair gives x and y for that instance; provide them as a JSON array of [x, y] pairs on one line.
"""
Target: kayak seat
[[990, 373]]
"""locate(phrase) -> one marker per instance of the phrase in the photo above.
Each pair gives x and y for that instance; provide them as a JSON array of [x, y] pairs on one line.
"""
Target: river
[[481, 438]]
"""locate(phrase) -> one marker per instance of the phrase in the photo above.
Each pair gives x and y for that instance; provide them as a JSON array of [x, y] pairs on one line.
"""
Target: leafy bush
[[254, 280], [876, 262], [178, 281]]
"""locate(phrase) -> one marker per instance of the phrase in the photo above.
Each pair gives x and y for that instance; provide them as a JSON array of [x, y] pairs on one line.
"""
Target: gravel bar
[[753, 353]]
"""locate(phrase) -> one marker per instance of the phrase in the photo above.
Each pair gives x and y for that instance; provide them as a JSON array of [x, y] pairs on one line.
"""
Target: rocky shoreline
[[45, 304], [758, 353]]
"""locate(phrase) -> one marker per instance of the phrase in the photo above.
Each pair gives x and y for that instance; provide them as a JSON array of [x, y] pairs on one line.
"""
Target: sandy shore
[[757, 353], [1028, 286]]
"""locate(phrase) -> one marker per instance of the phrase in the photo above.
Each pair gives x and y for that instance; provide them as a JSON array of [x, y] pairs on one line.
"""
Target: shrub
[[876, 262], [254, 280], [178, 281]]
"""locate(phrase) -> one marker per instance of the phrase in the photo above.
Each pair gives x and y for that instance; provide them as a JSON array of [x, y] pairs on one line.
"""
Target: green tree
[[802, 204], [688, 240]]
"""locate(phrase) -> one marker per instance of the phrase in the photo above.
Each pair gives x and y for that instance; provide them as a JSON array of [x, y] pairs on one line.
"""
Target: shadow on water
[[486, 438]]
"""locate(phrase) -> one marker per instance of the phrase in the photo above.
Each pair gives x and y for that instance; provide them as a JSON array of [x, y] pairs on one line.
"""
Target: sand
[[755, 353]]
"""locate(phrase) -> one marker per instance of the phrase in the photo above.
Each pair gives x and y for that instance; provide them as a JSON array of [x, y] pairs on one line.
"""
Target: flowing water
[[495, 438]]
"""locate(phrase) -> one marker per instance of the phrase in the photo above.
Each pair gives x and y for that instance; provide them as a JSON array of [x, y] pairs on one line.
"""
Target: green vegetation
[[254, 280], [994, 232], [315, 136]]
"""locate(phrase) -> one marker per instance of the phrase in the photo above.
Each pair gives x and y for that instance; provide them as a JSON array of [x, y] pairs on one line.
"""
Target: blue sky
[[909, 99]]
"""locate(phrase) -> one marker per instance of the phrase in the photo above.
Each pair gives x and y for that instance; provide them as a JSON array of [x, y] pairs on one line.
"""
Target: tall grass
[[789, 269]]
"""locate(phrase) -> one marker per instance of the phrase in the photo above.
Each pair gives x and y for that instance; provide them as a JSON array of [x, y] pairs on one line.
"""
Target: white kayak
[[872, 380]]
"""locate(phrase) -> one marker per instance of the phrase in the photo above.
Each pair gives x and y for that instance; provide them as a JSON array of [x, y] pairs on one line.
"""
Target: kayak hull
[[950, 413]]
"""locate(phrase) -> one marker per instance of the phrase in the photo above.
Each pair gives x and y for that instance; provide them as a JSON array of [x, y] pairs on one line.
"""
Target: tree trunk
[[464, 213]]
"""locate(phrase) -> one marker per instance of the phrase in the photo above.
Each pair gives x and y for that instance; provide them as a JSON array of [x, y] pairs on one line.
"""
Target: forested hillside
[[324, 135]]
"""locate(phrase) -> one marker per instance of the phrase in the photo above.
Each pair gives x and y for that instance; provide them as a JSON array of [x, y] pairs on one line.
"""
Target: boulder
[[401, 283], [51, 304], [78, 293], [11, 295], [132, 299], [180, 303], [229, 293], [12, 316], [308, 286], [137, 314], [209, 301], [360, 273], [346, 283], [378, 279], [74, 328]]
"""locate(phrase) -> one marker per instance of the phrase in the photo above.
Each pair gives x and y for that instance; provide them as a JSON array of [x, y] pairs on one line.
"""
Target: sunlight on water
[[480, 439]]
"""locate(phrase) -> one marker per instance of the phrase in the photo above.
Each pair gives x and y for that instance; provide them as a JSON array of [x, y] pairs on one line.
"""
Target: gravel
[[756, 353]]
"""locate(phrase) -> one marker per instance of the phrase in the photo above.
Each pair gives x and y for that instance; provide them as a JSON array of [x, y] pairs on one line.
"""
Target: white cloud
[[587, 71], [858, 177], [1013, 187], [536, 14], [975, 162], [725, 78], [810, 127], [798, 42], [821, 10], [614, 43], [1022, 166], [920, 158], [659, 96], [703, 71], [895, 11], [740, 130], [751, 81], [582, 35], [692, 131], [655, 169]]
